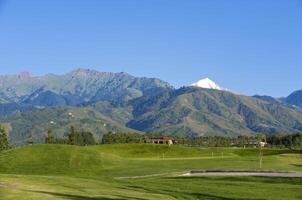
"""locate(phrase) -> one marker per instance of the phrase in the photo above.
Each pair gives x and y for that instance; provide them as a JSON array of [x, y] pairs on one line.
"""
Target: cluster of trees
[[115, 138], [83, 138], [3, 139], [219, 141], [293, 141], [216, 141], [73, 138]]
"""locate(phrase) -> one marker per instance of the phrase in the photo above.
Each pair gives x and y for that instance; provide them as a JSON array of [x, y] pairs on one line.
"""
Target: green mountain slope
[[195, 111], [33, 125]]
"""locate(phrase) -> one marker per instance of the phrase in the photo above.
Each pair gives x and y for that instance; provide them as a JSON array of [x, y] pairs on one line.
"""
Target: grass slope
[[105, 171]]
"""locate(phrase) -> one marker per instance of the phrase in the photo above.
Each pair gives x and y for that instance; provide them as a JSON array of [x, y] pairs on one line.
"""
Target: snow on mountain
[[208, 84]]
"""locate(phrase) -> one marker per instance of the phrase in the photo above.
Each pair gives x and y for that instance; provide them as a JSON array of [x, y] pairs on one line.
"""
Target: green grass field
[[141, 171]]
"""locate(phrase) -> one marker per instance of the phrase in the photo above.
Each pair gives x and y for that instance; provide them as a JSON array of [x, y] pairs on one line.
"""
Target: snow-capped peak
[[208, 84]]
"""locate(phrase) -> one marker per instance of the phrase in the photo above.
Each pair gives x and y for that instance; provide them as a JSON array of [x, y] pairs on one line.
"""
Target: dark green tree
[[50, 138], [87, 139], [3, 139], [72, 137]]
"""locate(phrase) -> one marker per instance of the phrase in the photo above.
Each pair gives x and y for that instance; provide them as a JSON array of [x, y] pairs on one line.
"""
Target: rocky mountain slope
[[194, 111], [295, 99], [76, 87]]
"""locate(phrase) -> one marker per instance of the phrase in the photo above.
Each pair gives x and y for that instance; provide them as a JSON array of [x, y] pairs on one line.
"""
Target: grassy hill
[[141, 171], [94, 160]]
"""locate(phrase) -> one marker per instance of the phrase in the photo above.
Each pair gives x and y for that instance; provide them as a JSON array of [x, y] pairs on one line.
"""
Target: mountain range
[[24, 91], [118, 102]]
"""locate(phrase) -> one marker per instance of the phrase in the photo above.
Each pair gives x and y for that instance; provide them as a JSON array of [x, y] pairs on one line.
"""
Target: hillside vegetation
[[194, 111], [201, 112], [34, 125]]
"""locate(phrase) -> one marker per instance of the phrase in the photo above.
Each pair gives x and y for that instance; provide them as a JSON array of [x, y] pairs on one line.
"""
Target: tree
[[80, 138], [50, 138], [88, 138], [72, 137], [3, 139]]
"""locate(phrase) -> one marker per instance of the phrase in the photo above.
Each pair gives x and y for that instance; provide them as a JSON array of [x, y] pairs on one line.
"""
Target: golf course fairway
[[144, 171]]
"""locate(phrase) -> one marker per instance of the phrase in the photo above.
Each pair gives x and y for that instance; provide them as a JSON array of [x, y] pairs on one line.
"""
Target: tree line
[[215, 141], [293, 141], [285, 140], [115, 138], [83, 138]]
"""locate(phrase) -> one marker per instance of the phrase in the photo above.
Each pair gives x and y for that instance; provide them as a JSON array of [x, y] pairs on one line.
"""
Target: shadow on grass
[[296, 165], [185, 195], [215, 197], [78, 197]]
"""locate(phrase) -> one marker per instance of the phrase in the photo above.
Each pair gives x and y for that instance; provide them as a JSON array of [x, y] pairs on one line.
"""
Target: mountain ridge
[[126, 103], [75, 87], [294, 98]]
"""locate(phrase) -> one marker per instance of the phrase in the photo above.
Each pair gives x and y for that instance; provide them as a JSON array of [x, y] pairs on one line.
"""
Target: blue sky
[[251, 47]]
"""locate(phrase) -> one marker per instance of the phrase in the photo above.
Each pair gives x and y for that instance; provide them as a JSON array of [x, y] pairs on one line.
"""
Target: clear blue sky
[[249, 46]]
